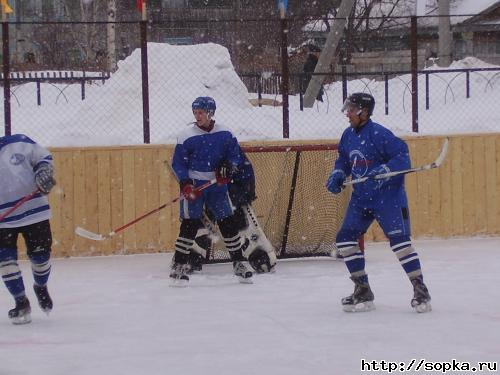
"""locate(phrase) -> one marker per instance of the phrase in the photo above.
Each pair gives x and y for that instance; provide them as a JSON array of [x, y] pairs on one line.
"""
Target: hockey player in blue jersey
[[203, 152], [25, 167], [260, 253], [369, 149]]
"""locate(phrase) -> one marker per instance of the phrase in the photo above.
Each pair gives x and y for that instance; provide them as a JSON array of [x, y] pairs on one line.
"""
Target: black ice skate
[[242, 272], [421, 300], [44, 300], [21, 314], [179, 275], [362, 298]]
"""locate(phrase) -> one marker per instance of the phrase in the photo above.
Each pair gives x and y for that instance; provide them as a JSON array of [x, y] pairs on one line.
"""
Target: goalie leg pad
[[260, 253], [261, 261]]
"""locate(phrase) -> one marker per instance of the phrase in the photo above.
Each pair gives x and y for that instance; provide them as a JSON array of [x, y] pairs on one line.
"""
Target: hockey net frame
[[298, 215]]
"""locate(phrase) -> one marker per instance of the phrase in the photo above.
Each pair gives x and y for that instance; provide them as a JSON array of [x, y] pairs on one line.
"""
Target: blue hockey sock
[[40, 265], [11, 274], [354, 258], [408, 258]]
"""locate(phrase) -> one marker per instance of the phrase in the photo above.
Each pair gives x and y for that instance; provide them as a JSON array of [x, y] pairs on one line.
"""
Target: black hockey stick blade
[[436, 163]]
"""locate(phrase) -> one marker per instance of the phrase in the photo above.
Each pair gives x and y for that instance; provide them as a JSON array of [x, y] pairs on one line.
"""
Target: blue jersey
[[364, 149], [19, 157], [199, 152]]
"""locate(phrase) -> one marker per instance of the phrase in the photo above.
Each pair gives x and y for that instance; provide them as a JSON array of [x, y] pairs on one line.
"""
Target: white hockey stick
[[436, 163], [100, 237]]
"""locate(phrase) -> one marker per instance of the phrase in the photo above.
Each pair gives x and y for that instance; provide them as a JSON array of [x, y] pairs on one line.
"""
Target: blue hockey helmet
[[206, 103], [360, 100]]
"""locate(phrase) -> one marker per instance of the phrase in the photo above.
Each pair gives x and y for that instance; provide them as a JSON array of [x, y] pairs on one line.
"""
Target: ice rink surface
[[118, 316]]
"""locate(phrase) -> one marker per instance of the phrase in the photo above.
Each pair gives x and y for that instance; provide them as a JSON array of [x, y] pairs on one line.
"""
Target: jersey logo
[[359, 163], [17, 159]]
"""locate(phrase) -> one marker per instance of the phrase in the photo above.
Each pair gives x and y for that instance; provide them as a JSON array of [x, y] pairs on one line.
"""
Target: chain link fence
[[67, 89]]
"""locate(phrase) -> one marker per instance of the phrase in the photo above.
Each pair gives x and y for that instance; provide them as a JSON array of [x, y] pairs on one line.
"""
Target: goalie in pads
[[259, 251]]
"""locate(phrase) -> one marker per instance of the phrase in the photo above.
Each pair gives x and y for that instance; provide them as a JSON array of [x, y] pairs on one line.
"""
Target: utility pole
[[445, 35], [327, 55]]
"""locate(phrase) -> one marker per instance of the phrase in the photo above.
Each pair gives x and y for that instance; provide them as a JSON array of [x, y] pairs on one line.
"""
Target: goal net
[[298, 215]]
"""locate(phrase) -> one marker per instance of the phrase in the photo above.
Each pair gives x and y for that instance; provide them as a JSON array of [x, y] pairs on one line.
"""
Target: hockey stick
[[19, 204], [100, 237], [436, 163]]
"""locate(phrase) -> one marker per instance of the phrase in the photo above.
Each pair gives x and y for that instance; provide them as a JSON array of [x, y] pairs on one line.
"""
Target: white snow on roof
[[470, 6]]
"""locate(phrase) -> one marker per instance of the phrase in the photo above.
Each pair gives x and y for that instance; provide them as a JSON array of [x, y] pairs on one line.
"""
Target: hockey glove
[[44, 178], [225, 172], [377, 183], [188, 190], [336, 181]]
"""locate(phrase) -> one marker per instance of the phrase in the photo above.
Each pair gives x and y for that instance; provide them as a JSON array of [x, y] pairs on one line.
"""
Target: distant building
[[389, 49]]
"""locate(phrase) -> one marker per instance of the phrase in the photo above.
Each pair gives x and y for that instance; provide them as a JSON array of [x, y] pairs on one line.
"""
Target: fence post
[[83, 86], [386, 90], [6, 78], [427, 98], [414, 74], [344, 82], [145, 81], [301, 92], [285, 76], [259, 89], [38, 93], [467, 84]]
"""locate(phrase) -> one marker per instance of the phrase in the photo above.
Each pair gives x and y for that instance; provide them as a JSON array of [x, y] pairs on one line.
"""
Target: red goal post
[[299, 216]]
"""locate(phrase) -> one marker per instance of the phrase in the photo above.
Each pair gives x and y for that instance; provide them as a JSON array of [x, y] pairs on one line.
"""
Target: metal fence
[[254, 70]]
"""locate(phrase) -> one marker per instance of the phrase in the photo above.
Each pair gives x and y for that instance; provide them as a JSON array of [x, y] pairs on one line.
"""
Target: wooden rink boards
[[102, 188]]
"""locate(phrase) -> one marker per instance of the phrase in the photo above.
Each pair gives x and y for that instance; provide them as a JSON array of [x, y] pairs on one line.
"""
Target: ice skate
[[242, 272], [421, 300], [179, 275], [21, 314], [188, 271], [362, 298], [44, 300]]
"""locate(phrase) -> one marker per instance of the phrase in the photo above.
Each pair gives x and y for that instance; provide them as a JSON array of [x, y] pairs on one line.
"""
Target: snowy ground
[[117, 315]]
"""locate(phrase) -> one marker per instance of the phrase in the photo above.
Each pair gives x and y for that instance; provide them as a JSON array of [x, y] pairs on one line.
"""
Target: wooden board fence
[[101, 188]]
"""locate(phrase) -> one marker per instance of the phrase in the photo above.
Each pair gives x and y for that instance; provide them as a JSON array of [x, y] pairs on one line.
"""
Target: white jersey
[[19, 158]]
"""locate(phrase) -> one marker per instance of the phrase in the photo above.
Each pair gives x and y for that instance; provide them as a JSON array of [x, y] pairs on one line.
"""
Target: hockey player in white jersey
[[27, 171]]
